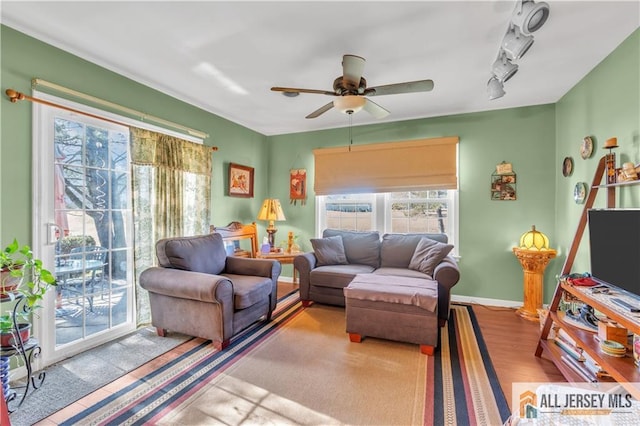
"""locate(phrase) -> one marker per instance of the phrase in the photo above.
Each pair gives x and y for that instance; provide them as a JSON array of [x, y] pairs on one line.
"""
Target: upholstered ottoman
[[396, 308]]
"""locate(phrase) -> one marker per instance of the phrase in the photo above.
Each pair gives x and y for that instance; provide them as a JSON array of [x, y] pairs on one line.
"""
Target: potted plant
[[21, 274]]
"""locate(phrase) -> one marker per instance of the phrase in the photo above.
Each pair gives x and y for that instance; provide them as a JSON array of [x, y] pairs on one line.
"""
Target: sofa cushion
[[397, 250], [401, 272], [336, 276], [361, 248], [203, 253], [249, 290], [428, 255], [329, 251]]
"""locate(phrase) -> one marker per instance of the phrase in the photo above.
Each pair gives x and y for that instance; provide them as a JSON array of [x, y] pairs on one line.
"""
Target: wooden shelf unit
[[622, 370]]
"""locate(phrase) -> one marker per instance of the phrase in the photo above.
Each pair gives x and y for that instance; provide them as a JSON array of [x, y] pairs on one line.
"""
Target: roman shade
[[387, 167]]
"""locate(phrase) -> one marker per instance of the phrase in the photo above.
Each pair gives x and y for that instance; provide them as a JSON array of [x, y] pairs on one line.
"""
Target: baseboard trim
[[486, 301]]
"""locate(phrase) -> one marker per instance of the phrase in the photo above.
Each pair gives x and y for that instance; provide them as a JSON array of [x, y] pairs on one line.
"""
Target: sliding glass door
[[83, 223]]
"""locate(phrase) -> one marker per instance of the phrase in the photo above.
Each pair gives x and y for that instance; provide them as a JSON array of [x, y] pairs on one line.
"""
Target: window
[[430, 211]]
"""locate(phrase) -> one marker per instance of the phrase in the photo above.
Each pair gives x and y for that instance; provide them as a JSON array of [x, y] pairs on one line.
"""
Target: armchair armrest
[[187, 285], [257, 267]]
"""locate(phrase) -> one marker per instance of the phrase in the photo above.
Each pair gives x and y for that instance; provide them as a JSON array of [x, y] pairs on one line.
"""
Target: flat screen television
[[615, 248]]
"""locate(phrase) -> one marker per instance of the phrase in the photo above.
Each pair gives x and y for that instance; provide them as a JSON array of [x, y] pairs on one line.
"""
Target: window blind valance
[[387, 167]]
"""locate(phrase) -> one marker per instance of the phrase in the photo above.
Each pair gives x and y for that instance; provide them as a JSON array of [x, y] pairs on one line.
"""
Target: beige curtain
[[171, 196], [387, 167]]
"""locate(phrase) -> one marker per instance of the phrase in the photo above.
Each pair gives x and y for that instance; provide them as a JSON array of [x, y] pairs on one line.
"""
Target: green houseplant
[[21, 274]]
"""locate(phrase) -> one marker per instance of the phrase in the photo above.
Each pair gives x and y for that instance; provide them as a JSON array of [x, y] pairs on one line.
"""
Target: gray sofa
[[366, 253], [198, 290]]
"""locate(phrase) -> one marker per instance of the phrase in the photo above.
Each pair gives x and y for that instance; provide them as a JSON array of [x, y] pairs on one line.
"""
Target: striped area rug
[[301, 368]]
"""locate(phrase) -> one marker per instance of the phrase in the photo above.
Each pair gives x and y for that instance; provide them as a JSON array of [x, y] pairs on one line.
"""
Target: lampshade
[[349, 104], [534, 240], [495, 88], [515, 44], [271, 210], [530, 16], [502, 68]]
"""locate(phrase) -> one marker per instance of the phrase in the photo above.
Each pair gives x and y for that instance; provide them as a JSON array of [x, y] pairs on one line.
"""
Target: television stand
[[621, 370], [630, 307]]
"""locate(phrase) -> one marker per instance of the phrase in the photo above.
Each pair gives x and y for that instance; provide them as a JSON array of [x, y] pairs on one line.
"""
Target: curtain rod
[[39, 82], [15, 96]]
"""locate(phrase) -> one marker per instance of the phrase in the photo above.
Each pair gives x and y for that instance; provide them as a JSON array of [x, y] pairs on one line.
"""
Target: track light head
[[503, 69], [495, 88], [530, 16], [515, 44]]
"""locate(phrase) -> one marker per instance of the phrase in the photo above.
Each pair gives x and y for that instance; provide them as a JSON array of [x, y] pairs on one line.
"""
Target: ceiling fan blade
[[407, 87], [374, 109], [296, 90], [320, 110], [352, 68]]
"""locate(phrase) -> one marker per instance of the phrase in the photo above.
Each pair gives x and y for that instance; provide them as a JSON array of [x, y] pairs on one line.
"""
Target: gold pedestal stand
[[533, 264]]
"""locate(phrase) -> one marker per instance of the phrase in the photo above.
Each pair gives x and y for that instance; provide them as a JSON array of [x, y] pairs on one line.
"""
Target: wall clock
[[580, 192], [586, 148]]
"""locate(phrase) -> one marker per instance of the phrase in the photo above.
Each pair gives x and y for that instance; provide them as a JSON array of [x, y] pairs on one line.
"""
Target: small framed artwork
[[240, 181], [298, 186]]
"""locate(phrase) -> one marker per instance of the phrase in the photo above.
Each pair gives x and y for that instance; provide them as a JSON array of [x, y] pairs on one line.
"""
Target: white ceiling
[[224, 56]]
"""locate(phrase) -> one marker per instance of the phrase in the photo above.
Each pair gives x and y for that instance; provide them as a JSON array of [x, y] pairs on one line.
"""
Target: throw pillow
[[428, 255], [329, 251]]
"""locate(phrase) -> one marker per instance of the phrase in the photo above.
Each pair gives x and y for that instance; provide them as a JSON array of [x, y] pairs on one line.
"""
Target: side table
[[282, 257]]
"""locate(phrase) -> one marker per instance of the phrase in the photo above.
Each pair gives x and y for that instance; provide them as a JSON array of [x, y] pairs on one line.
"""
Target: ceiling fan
[[351, 90]]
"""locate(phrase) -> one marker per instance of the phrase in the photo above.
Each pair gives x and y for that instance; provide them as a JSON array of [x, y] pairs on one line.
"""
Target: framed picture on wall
[[240, 181]]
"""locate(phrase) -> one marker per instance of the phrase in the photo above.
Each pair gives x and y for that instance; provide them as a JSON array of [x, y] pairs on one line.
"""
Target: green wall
[[24, 58], [488, 229], [534, 139], [604, 104]]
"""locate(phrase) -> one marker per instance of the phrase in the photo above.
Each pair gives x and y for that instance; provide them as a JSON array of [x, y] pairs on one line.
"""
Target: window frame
[[381, 202]]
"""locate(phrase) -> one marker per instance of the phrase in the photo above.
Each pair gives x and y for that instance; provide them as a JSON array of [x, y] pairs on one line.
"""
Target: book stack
[[575, 358]]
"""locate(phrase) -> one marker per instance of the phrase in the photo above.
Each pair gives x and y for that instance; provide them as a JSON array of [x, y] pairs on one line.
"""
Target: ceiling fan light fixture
[[349, 104], [530, 16], [495, 88], [503, 68], [515, 44], [290, 94]]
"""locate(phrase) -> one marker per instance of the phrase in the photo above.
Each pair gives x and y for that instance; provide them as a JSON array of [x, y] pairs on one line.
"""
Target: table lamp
[[534, 255], [271, 210]]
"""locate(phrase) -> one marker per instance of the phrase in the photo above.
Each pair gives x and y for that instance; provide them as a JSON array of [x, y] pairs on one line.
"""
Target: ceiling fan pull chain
[[350, 123]]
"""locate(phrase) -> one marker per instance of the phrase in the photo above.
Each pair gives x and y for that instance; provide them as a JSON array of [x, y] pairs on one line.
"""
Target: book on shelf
[[565, 336], [579, 369], [574, 351]]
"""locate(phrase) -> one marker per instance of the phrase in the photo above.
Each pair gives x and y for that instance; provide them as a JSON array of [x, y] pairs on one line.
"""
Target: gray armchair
[[198, 290]]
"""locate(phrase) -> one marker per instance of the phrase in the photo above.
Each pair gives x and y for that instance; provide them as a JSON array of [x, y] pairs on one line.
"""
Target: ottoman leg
[[354, 337], [427, 350]]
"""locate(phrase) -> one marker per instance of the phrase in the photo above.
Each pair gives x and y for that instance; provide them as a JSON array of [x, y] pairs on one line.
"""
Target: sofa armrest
[[187, 285], [304, 263], [256, 267], [447, 272]]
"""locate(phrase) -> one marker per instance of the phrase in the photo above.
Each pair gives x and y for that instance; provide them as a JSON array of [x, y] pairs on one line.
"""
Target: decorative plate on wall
[[586, 148], [567, 166], [580, 192]]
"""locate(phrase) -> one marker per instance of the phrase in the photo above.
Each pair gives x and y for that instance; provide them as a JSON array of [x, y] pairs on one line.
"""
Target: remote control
[[624, 304]]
